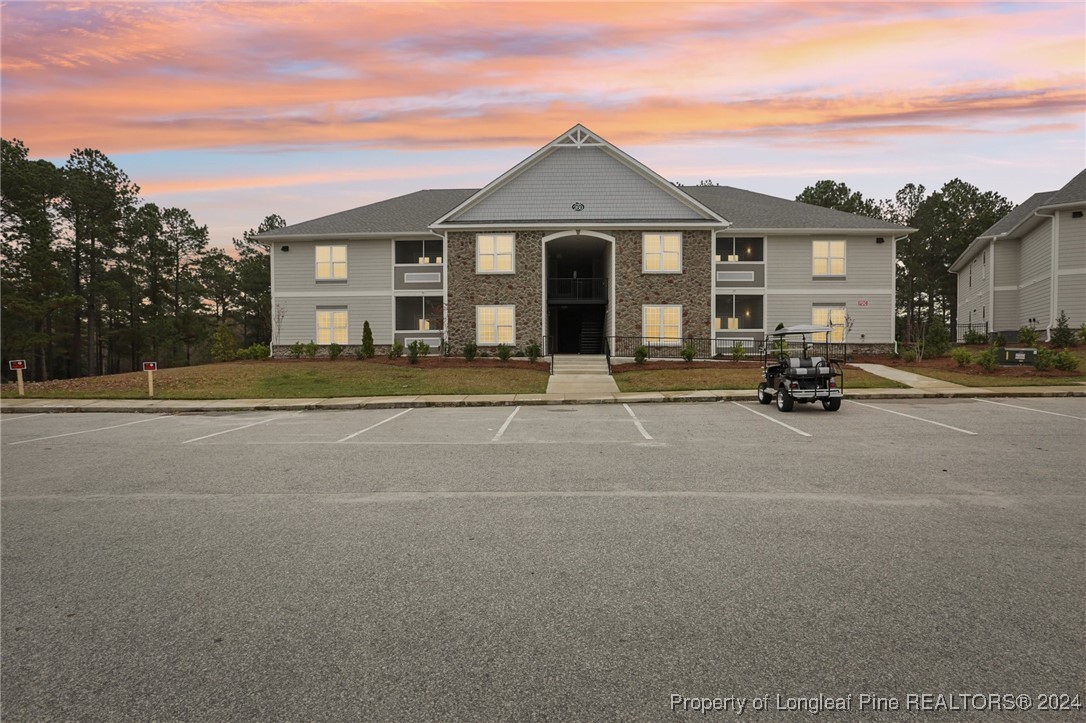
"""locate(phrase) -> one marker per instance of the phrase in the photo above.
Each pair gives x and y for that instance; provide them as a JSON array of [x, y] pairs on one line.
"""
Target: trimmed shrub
[[1062, 335], [999, 341], [689, 351], [738, 351], [416, 349], [961, 355], [334, 350], [972, 336], [988, 359], [396, 350], [909, 355], [641, 353], [504, 352], [224, 347], [1044, 360], [310, 349], [1082, 335], [296, 350], [1027, 335], [471, 349], [254, 351], [366, 351], [533, 351], [1065, 361]]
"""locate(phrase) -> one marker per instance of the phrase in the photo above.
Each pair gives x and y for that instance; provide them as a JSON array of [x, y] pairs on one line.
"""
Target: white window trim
[[644, 253], [512, 254], [333, 278], [828, 274], [644, 312], [478, 339], [333, 310]]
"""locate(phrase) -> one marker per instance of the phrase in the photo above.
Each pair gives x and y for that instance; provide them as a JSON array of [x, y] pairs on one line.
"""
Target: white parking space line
[[505, 425], [919, 419], [88, 431], [227, 431], [637, 422], [1028, 409], [14, 417], [775, 421], [373, 426]]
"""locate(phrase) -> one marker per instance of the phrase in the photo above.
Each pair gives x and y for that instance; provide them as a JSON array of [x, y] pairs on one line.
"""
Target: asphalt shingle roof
[[747, 209], [1020, 213], [1073, 192], [414, 212]]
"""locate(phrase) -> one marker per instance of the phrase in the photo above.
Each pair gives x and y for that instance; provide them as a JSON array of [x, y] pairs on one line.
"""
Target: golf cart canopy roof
[[805, 329]]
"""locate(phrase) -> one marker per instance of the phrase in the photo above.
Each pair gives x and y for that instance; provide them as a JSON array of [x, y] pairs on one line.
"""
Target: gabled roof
[[582, 179], [1022, 218], [412, 213], [752, 211]]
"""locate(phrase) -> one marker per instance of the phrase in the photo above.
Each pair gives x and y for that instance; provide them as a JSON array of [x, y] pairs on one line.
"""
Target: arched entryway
[[578, 268]]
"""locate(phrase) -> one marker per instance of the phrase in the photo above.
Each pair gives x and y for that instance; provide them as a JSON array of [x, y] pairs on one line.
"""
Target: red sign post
[[17, 366], [150, 368]]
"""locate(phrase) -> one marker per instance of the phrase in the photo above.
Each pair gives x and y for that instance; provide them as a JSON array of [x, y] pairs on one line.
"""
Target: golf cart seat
[[815, 366]]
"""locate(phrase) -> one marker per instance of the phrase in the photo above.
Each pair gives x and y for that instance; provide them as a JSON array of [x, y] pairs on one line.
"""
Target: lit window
[[331, 263], [662, 253], [832, 316], [494, 253], [419, 252], [331, 326], [829, 258], [494, 324], [662, 324]]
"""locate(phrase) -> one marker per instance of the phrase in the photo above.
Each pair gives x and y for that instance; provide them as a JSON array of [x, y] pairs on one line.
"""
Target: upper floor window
[[494, 253], [419, 252], [662, 253], [828, 258], [331, 263], [740, 248]]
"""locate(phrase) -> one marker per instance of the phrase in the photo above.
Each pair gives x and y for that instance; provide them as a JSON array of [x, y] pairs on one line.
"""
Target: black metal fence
[[709, 348], [572, 289], [970, 332]]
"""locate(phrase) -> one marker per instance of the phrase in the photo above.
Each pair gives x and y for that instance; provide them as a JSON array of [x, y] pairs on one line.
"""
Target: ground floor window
[[331, 326], [739, 311], [832, 315], [662, 324], [419, 313], [495, 324]]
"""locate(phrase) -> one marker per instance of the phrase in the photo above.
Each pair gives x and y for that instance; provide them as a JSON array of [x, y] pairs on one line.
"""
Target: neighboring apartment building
[[1028, 267], [576, 243]]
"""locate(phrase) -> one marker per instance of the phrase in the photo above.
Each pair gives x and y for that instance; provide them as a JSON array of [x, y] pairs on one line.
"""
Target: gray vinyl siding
[[757, 269], [868, 265], [973, 290], [1072, 252], [1007, 263], [402, 285], [369, 266], [873, 321], [1004, 315], [1071, 297], [1035, 285], [299, 322], [1034, 303], [608, 188]]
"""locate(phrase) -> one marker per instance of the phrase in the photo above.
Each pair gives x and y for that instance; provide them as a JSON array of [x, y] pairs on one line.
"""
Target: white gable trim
[[580, 137], [577, 232]]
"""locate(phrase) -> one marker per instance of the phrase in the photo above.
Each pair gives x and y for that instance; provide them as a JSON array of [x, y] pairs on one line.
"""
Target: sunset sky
[[237, 110]]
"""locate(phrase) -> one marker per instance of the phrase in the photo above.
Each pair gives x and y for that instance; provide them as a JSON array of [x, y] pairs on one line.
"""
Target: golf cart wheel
[[784, 400], [764, 397], [831, 405]]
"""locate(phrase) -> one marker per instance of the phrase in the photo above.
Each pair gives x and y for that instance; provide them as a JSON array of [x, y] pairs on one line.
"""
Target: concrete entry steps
[[580, 364]]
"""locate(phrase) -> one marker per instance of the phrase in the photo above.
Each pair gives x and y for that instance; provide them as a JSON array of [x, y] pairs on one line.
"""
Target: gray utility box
[[1014, 357]]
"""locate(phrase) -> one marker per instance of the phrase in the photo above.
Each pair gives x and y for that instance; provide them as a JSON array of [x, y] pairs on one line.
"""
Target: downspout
[[1054, 282], [893, 288]]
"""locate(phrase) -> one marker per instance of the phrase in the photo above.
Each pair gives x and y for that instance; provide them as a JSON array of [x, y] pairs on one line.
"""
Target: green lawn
[[671, 377], [996, 379], [302, 379]]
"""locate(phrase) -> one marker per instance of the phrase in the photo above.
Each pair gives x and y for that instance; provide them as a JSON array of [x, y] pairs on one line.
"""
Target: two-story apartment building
[[1029, 266], [576, 243]]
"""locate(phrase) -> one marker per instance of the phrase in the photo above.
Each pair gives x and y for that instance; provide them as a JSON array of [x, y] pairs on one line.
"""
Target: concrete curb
[[158, 406]]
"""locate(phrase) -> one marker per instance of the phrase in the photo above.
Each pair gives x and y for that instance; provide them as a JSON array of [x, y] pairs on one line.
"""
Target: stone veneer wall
[[693, 288], [468, 289]]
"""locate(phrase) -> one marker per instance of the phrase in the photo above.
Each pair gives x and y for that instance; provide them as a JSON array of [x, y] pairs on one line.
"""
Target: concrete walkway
[[582, 375], [916, 381]]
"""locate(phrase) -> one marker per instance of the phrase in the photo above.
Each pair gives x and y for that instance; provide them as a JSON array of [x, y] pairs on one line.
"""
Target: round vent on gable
[[578, 207]]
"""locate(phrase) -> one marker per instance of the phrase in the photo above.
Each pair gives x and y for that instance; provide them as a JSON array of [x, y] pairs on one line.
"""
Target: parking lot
[[567, 561]]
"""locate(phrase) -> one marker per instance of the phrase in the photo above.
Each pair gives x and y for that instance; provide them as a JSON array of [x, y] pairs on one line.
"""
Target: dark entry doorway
[[577, 294], [577, 329]]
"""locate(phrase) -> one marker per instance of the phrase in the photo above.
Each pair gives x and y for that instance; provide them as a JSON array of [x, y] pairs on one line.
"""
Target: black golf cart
[[797, 369]]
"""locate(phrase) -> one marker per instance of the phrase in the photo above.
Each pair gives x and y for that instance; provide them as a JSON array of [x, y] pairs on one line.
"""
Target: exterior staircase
[[581, 374], [591, 336], [580, 364]]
